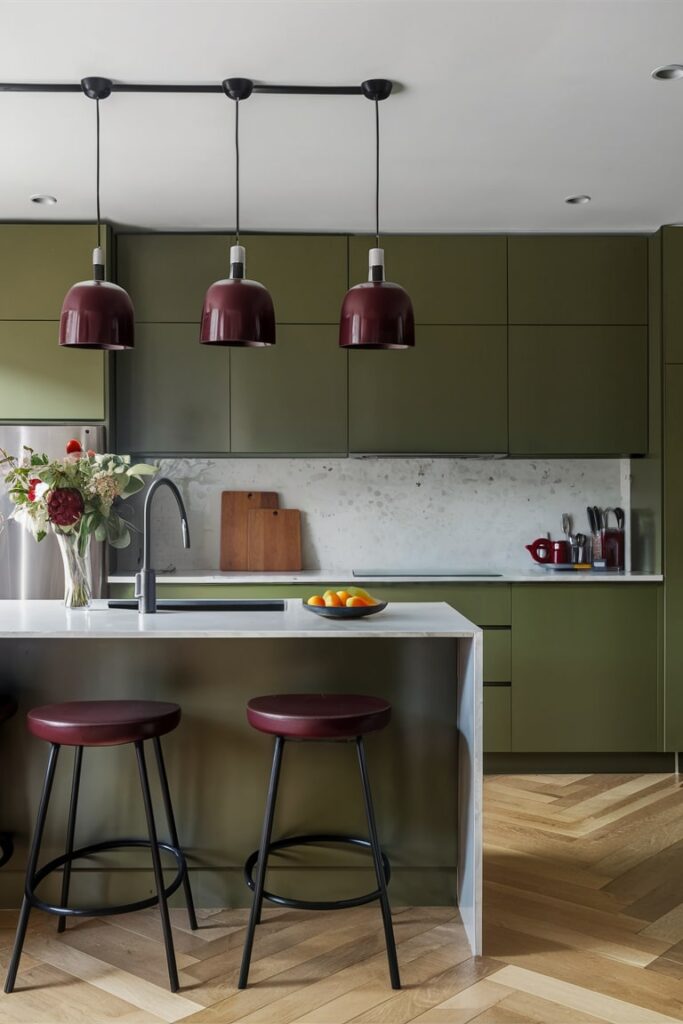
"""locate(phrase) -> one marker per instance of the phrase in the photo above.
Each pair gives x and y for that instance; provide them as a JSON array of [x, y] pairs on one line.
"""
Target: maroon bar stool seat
[[102, 723], [318, 716], [321, 717]]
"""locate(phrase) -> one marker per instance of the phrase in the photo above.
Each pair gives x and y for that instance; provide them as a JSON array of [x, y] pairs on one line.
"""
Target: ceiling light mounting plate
[[96, 88], [238, 88], [377, 88]]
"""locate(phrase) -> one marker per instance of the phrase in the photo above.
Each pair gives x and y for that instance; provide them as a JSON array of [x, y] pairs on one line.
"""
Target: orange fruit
[[316, 600], [343, 596], [357, 602], [331, 600]]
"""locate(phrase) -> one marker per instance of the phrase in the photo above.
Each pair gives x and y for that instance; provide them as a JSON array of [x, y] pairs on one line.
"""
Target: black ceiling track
[[374, 88]]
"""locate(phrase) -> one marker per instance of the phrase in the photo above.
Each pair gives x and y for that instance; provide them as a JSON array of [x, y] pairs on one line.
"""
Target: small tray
[[565, 567], [346, 613]]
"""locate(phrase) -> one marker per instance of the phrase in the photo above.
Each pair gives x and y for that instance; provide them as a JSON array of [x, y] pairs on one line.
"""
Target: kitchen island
[[426, 658]]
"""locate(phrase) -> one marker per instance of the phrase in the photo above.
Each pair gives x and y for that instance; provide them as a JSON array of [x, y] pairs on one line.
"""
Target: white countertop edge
[[316, 576]]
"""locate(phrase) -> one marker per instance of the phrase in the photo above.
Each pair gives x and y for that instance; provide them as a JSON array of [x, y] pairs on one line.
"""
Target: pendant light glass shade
[[377, 313], [97, 314], [237, 312]]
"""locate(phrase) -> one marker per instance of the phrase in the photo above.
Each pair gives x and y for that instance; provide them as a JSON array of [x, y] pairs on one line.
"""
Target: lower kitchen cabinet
[[497, 727], [42, 381], [172, 394], [673, 492], [578, 390], [585, 668], [291, 397], [448, 394]]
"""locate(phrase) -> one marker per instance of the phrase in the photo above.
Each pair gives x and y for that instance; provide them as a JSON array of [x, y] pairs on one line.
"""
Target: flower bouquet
[[73, 498]]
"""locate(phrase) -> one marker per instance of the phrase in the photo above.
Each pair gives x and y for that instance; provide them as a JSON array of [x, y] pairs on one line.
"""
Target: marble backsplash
[[389, 513]]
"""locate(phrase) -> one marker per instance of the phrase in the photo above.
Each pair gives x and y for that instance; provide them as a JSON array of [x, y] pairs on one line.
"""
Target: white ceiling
[[507, 107]]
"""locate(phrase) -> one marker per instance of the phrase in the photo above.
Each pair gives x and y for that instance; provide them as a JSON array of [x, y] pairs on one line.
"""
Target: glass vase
[[77, 570]]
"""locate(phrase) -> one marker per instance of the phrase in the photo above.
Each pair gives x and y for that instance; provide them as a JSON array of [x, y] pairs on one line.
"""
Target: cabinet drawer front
[[448, 394], [42, 381], [603, 411], [578, 279], [451, 279], [38, 265], [497, 656], [173, 394], [497, 715]]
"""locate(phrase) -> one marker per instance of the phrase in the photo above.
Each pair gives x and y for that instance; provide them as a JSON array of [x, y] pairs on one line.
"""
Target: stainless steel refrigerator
[[28, 569]]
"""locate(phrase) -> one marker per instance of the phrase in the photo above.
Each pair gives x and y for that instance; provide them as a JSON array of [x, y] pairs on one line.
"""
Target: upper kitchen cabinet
[[167, 275], [38, 265], [452, 279], [672, 294], [577, 279], [291, 397], [578, 390], [41, 381], [448, 394], [172, 394]]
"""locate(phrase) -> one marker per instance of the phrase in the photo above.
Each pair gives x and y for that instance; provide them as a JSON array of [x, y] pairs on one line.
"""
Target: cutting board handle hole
[[274, 513]]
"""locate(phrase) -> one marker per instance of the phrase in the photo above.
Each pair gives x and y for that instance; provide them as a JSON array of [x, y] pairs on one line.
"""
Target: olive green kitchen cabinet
[[672, 294], [673, 532], [448, 394], [167, 275], [451, 279], [39, 380], [291, 397], [578, 390], [38, 265], [586, 667], [172, 394], [578, 279], [497, 719]]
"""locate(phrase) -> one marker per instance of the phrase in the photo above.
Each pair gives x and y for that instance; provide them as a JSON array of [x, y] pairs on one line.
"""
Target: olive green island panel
[[585, 668], [172, 394], [578, 390], [577, 279], [451, 279], [448, 394], [291, 397], [672, 311], [167, 275], [39, 380], [40, 262]]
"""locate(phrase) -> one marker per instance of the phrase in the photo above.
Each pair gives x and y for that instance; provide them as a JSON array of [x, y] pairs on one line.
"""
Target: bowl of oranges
[[348, 603]]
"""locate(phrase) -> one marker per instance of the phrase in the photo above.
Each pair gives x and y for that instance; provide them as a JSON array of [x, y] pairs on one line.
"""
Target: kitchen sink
[[209, 604]]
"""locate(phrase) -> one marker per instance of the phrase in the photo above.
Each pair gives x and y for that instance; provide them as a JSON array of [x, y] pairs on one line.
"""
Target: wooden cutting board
[[274, 540], [235, 506]]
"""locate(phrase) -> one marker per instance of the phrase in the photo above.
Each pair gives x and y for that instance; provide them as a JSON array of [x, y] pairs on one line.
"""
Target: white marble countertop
[[51, 620], [320, 576]]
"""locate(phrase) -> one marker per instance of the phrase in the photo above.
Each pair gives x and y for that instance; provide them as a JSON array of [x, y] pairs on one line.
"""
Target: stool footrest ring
[[89, 851], [316, 840]]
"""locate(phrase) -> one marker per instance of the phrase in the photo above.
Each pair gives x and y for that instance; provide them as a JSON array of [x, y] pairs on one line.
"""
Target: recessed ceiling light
[[577, 200], [44, 200], [668, 71]]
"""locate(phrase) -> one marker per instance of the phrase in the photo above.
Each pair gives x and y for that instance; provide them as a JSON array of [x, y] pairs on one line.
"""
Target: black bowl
[[346, 613]]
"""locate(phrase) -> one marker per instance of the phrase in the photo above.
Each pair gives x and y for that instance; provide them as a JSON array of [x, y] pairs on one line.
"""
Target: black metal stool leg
[[173, 831], [158, 873], [31, 867], [379, 870], [262, 861], [70, 832]]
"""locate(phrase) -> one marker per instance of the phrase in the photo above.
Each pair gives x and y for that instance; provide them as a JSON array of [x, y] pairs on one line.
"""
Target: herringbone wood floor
[[583, 923]]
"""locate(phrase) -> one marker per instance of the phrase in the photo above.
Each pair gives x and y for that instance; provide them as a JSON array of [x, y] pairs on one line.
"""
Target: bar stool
[[317, 717], [103, 723], [8, 706]]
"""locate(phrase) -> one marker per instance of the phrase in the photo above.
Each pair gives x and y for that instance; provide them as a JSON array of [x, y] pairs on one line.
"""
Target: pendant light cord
[[377, 172], [237, 171], [97, 172]]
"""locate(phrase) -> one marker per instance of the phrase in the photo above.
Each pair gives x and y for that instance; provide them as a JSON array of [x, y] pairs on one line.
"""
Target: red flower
[[73, 446], [32, 484], [65, 506]]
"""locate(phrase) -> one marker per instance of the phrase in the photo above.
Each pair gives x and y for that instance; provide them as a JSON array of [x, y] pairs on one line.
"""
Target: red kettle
[[540, 550]]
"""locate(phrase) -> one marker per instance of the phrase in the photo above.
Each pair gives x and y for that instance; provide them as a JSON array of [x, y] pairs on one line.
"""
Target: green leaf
[[142, 469]]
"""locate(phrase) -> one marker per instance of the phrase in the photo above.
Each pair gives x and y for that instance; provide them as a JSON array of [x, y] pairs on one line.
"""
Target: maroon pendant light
[[376, 313], [237, 312], [97, 313]]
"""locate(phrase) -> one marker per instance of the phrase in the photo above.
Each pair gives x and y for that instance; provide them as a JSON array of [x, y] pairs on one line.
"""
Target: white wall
[[459, 514]]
